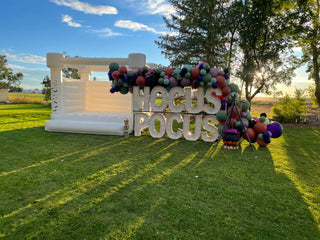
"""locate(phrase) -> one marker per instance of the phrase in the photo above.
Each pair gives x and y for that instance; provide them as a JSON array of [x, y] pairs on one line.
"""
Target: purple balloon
[[267, 135], [173, 82], [112, 90], [185, 82], [214, 72], [276, 129], [243, 114]]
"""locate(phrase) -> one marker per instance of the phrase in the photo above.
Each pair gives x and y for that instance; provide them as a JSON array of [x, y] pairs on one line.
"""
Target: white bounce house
[[84, 106]]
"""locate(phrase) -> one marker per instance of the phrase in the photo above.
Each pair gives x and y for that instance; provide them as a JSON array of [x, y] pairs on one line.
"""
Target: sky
[[96, 28]]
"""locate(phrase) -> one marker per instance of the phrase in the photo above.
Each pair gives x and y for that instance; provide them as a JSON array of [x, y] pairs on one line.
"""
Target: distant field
[[263, 104], [34, 98]]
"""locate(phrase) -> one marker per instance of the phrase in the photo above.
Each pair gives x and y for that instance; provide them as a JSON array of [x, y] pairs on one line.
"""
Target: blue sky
[[95, 28]]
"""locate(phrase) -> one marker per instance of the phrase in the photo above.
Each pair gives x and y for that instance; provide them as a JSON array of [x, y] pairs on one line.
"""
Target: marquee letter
[[152, 128], [189, 107], [141, 121], [209, 127], [139, 100], [172, 94], [212, 99], [172, 134], [153, 98], [197, 128]]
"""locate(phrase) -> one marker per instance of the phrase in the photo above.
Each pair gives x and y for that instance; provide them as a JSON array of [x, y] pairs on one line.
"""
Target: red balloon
[[234, 113], [141, 81], [260, 128], [115, 75], [232, 122], [251, 134], [168, 72], [221, 81], [262, 143], [195, 72], [225, 91], [123, 70]]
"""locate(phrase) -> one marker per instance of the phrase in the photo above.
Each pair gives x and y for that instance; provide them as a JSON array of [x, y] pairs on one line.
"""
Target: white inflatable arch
[[83, 106]]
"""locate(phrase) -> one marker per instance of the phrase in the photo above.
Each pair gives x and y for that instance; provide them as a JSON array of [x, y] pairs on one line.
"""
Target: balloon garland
[[260, 130]]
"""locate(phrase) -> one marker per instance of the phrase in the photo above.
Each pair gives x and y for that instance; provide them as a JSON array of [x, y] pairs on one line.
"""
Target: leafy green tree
[[290, 110], [46, 90], [201, 30], [250, 36], [8, 79], [265, 45], [308, 35]]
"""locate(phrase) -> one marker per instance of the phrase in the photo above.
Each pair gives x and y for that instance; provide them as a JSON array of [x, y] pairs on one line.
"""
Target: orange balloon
[[251, 134], [260, 128]]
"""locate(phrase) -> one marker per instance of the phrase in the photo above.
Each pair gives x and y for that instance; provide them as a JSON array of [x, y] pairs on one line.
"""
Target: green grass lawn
[[73, 186]]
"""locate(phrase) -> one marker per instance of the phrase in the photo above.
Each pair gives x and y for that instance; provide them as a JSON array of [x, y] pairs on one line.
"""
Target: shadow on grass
[[302, 165], [88, 186]]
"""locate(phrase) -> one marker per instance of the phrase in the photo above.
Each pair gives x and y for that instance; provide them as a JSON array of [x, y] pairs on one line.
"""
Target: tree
[[309, 41], [252, 36], [200, 31], [46, 90], [8, 79], [264, 40]]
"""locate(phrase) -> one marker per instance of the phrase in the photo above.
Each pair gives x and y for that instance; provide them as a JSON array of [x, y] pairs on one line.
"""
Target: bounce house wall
[[99, 98], [74, 99]]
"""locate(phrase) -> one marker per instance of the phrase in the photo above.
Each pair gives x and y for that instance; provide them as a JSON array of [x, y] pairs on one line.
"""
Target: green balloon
[[201, 84], [262, 119], [188, 67], [209, 84], [248, 116], [213, 80], [125, 84], [260, 136], [238, 124], [120, 81], [162, 74], [245, 106], [124, 90], [221, 116], [160, 81], [206, 66], [187, 75], [113, 85], [234, 87], [207, 78], [166, 81], [113, 66], [203, 72]]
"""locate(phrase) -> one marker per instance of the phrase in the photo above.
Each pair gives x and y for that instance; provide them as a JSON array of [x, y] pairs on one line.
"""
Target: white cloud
[[160, 7], [24, 58], [67, 19], [135, 26], [20, 68], [86, 7], [106, 32]]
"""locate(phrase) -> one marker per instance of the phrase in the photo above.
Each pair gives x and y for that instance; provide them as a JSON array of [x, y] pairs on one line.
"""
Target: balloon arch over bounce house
[[201, 96]]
